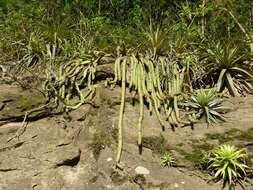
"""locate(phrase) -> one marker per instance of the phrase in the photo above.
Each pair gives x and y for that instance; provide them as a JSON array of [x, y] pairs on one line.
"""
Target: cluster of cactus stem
[[73, 79], [157, 82]]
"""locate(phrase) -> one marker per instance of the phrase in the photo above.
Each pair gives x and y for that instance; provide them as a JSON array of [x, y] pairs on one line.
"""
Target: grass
[[197, 155], [99, 142], [200, 148], [158, 145], [232, 134]]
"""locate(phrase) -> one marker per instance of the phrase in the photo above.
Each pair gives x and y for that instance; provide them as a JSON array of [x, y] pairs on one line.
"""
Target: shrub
[[228, 162], [206, 103], [229, 68]]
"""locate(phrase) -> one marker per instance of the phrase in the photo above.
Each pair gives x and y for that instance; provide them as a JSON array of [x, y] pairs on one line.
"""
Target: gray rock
[[65, 155], [9, 128], [141, 170]]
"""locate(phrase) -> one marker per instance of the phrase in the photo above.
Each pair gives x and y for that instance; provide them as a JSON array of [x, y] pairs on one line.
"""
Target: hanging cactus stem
[[153, 79], [140, 122], [121, 113]]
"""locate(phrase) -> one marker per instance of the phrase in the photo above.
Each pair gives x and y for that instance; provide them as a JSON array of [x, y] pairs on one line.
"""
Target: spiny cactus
[[144, 74]]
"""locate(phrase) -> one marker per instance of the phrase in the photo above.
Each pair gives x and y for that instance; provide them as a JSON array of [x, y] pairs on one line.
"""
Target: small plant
[[203, 161], [167, 160], [156, 41], [230, 68], [228, 162], [206, 104]]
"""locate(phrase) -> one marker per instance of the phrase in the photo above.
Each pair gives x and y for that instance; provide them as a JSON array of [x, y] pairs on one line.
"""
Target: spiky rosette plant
[[156, 41], [229, 68], [228, 163], [167, 160], [205, 103]]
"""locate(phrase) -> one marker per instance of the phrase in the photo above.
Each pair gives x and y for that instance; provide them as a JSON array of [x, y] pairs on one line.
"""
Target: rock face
[[43, 158], [77, 151], [14, 102]]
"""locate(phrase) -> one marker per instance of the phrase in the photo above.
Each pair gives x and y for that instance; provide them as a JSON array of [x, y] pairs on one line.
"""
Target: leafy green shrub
[[228, 162], [156, 41], [229, 67]]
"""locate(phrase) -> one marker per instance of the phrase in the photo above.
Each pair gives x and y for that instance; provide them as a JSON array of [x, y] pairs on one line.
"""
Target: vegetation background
[[27, 26], [164, 50]]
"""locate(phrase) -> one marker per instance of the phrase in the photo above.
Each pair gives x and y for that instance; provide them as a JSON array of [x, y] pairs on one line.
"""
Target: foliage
[[167, 160], [206, 103], [228, 162], [71, 83], [203, 162], [67, 41], [156, 41], [229, 67]]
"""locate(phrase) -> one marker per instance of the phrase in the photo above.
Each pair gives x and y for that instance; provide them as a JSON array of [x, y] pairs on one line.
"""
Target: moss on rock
[[100, 140], [158, 145]]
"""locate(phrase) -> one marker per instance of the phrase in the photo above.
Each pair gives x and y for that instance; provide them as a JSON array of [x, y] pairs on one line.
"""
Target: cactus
[[70, 78], [155, 80], [145, 78]]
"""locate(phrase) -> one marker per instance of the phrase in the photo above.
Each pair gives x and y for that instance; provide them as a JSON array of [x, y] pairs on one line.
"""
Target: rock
[[176, 185], [214, 142], [65, 155], [227, 107], [141, 170], [53, 159], [9, 128], [16, 103], [2, 105], [109, 159]]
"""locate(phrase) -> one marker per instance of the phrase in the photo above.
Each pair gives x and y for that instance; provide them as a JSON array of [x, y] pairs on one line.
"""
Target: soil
[[76, 151]]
